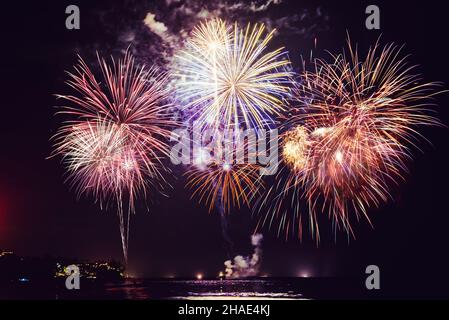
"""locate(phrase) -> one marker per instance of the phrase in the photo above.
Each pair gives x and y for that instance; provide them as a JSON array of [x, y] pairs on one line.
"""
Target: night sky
[[40, 215]]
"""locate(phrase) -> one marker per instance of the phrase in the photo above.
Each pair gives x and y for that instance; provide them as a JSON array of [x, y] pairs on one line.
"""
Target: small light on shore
[[199, 276]]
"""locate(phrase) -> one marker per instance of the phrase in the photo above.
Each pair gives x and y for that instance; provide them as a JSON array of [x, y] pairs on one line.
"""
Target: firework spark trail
[[349, 139], [113, 144], [225, 77]]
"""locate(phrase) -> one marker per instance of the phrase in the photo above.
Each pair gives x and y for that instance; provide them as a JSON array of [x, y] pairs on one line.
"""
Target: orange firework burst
[[112, 146], [226, 77], [219, 177], [349, 139]]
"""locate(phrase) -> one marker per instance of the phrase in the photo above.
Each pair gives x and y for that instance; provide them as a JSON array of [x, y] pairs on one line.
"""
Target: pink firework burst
[[114, 142]]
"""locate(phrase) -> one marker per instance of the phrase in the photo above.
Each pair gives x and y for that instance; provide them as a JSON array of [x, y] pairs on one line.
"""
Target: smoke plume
[[243, 267]]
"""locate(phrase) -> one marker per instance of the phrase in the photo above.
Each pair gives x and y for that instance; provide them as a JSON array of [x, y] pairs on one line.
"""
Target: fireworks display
[[348, 139], [113, 143], [227, 77]]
